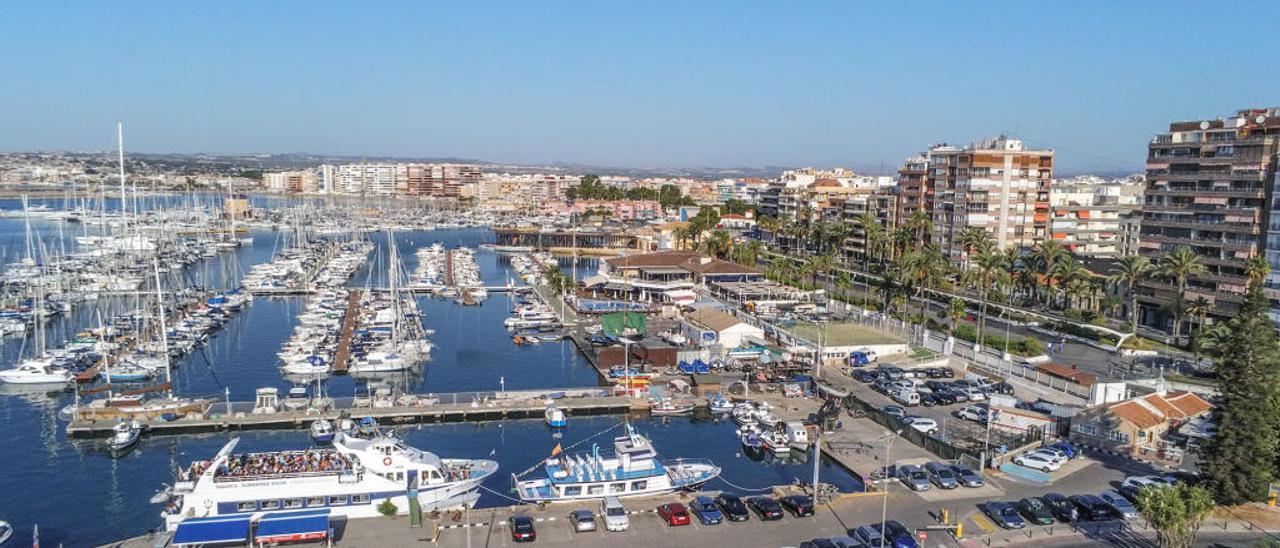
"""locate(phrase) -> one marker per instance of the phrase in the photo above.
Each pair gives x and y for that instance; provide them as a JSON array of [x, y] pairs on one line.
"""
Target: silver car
[[914, 477], [583, 521], [615, 516]]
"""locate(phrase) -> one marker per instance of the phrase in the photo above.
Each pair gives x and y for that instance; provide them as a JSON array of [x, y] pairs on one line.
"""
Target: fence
[[993, 364], [929, 443]]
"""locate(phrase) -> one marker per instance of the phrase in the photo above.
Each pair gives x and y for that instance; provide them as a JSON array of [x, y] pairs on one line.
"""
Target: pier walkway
[[387, 409], [343, 355]]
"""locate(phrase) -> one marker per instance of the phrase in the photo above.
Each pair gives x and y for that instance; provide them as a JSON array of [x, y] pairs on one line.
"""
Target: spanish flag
[[557, 450]]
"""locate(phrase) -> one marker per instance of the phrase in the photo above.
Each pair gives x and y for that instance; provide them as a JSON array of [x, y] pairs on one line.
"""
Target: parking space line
[[982, 521]]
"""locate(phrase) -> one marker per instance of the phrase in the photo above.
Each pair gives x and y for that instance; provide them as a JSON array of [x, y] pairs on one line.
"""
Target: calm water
[[79, 495]]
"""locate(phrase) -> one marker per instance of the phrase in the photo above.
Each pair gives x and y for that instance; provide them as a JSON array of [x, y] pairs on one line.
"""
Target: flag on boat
[[557, 450]]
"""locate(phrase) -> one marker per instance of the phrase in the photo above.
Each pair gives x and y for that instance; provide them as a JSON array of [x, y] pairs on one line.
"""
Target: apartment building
[[1210, 187], [401, 180], [997, 185], [881, 204], [1094, 217], [291, 181]]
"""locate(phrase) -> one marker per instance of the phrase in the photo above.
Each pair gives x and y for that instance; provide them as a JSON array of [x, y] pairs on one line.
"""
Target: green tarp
[[623, 324]]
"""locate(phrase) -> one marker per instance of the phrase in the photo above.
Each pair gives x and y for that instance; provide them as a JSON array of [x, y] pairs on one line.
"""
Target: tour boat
[[633, 470], [555, 417], [350, 480]]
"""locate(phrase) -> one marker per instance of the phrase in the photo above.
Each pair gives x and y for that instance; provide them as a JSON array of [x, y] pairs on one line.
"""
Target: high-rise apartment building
[[997, 185], [417, 180], [1210, 188], [290, 181]]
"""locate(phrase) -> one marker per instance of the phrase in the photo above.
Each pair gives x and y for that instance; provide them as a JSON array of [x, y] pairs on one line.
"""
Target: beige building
[[1094, 217], [1138, 427]]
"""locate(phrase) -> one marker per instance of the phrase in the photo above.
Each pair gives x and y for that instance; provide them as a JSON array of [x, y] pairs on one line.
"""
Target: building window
[[595, 490], [1118, 436], [1087, 429]]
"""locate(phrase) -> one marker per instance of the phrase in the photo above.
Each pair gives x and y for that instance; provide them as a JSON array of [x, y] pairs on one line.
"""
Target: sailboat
[[407, 346]]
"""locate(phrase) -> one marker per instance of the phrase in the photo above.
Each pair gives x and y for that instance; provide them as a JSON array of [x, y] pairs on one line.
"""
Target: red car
[[674, 513]]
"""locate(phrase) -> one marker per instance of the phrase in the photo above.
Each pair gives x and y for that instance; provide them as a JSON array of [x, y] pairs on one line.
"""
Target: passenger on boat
[[305, 462]]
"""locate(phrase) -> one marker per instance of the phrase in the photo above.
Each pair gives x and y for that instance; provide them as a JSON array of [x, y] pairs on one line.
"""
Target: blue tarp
[[300, 525], [214, 530]]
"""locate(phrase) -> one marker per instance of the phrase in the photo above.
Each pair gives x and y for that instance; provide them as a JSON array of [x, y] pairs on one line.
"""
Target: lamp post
[[884, 503]]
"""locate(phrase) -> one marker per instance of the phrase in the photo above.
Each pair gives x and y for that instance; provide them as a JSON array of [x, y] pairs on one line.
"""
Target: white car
[[1145, 481], [1058, 454], [615, 516], [923, 424], [974, 394], [971, 413], [1043, 463]]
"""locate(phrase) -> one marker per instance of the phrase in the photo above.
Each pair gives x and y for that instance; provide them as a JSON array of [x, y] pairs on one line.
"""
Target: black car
[[1002, 388], [862, 375], [1130, 491], [933, 372], [959, 395], [1035, 511], [765, 507], [1061, 507], [799, 505], [928, 400], [944, 397], [881, 386], [522, 529], [732, 506], [1092, 508], [936, 385]]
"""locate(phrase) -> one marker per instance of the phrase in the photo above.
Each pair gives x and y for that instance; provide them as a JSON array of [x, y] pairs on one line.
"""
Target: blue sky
[[638, 84]]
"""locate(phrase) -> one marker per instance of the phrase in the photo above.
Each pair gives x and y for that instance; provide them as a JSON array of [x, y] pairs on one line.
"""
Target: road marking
[[983, 522]]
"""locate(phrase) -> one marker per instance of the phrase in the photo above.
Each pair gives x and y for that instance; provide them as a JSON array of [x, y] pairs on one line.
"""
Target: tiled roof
[[661, 258], [1189, 403], [1133, 412], [716, 266], [711, 318], [1153, 409], [1066, 372]]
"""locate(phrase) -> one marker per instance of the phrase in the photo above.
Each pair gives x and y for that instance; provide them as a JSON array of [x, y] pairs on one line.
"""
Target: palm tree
[[820, 264], [974, 239], [1178, 266], [987, 263], [1063, 273], [768, 224], [718, 244], [749, 252], [1047, 254], [956, 310], [1128, 272], [901, 239], [683, 235], [1257, 270], [920, 225]]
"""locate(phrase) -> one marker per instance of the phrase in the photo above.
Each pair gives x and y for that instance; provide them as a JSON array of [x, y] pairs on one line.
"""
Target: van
[[907, 397], [615, 516]]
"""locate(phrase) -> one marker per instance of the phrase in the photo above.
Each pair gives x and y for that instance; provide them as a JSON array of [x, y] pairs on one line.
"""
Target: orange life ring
[[387, 461]]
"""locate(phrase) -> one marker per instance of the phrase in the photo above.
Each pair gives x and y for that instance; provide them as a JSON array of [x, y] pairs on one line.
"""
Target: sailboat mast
[[120, 156], [164, 335]]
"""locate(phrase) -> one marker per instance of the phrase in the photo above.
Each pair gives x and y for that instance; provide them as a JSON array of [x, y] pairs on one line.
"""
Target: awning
[[214, 530], [293, 526]]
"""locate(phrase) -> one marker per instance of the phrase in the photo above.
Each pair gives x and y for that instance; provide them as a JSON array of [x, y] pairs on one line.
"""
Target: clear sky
[[637, 84]]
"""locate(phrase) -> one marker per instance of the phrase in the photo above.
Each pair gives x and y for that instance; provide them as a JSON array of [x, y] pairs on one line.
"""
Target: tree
[[1240, 458], [387, 508], [718, 244], [735, 206], [1175, 512], [920, 225], [986, 264], [1128, 272], [1178, 266], [1046, 256], [956, 311]]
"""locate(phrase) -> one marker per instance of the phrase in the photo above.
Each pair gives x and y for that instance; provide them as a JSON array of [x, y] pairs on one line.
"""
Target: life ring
[[387, 461]]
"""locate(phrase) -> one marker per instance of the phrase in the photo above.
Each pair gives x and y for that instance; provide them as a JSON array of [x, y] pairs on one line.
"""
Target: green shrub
[[388, 508]]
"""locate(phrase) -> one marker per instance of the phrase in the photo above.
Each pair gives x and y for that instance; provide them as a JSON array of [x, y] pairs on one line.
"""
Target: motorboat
[[744, 413], [764, 415], [750, 437], [297, 399], [348, 480], [667, 406], [36, 371], [555, 417], [633, 470], [124, 435], [6, 531], [322, 431], [717, 403]]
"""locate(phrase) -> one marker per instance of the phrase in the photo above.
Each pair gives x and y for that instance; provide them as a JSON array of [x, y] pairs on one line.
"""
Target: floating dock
[[420, 409], [343, 355]]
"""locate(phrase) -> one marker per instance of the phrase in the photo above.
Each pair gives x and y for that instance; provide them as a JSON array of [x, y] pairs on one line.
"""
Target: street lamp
[[884, 504]]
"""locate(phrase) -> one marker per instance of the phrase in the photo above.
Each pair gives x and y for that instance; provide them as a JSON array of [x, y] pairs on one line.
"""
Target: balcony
[[1241, 228], [1164, 190]]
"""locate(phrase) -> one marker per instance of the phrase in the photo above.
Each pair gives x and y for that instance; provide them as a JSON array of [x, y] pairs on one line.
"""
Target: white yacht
[[350, 480], [36, 371], [633, 470]]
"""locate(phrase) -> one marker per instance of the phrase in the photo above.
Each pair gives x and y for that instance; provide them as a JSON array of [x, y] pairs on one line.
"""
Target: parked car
[[907, 397], [1003, 514], [1043, 463], [615, 516], [1035, 511], [765, 507], [914, 477], [862, 375], [927, 399], [895, 535], [799, 505], [1092, 508], [1145, 481], [882, 386], [895, 411], [674, 514], [1122, 507], [1061, 507], [1067, 447], [922, 424], [1055, 453], [1002, 388], [945, 397], [975, 394], [705, 509], [971, 413], [935, 386], [732, 506], [942, 475], [958, 394], [933, 372], [892, 373], [522, 529], [583, 521], [967, 476], [1131, 492]]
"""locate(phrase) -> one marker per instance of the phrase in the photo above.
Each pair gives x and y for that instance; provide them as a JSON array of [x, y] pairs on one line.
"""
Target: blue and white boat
[[322, 431], [717, 403], [127, 371], [633, 470], [555, 417]]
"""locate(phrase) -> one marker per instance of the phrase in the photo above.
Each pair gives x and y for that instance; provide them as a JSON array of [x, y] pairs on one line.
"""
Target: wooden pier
[[343, 355], [428, 409]]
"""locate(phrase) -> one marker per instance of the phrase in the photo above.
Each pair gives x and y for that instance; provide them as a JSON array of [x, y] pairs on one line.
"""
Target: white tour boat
[[349, 480], [633, 470]]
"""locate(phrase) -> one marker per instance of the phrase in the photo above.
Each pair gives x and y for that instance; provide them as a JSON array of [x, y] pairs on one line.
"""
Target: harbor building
[[1096, 218], [1210, 188]]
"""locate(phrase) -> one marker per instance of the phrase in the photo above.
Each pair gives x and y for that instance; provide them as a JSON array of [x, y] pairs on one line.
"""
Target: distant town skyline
[[711, 84]]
